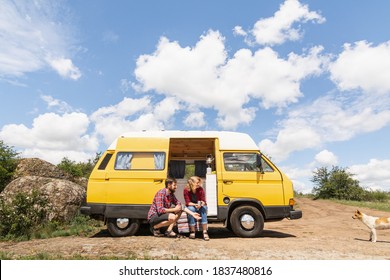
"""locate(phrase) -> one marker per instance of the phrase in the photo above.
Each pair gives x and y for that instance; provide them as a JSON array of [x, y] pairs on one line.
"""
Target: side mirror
[[259, 163]]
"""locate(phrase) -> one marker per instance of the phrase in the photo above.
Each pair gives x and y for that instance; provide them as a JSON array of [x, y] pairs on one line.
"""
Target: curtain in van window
[[159, 159], [200, 168], [177, 169], [123, 160]]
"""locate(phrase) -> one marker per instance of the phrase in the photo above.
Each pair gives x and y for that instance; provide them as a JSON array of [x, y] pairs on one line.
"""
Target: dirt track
[[326, 231]]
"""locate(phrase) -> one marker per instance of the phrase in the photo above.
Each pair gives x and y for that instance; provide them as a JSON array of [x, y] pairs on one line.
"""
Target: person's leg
[[173, 218], [157, 222], [203, 215], [191, 222]]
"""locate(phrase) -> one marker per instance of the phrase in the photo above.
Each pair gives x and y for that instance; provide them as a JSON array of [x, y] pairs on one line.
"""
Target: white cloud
[[53, 103], [31, 32], [282, 26], [295, 135], [133, 114], [327, 119], [374, 175], [65, 68], [363, 66], [52, 136], [239, 31], [195, 119], [326, 158], [203, 76], [299, 177]]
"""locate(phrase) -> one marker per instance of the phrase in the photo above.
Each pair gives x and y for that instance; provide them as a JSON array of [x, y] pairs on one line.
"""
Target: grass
[[382, 206], [46, 256]]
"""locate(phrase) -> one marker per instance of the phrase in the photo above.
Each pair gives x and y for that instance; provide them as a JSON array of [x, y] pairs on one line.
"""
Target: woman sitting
[[195, 200]]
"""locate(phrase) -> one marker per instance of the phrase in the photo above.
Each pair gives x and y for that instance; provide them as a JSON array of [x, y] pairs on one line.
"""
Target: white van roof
[[228, 140]]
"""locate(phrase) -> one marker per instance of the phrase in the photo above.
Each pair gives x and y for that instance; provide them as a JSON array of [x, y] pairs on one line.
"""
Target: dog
[[373, 223]]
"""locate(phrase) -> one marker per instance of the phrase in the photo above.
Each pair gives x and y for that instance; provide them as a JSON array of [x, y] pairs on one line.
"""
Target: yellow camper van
[[243, 188]]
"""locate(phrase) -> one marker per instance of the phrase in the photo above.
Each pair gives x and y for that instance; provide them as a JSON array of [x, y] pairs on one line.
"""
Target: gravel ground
[[326, 232]]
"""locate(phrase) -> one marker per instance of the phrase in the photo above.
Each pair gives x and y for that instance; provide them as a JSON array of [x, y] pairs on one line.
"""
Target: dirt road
[[326, 231]]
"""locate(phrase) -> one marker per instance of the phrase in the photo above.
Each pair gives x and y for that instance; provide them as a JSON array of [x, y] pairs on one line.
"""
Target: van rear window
[[140, 161]]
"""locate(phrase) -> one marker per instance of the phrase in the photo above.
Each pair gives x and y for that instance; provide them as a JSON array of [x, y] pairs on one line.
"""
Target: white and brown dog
[[373, 223]]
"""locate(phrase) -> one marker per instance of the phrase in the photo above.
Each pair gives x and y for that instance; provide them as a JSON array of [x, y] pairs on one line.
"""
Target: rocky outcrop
[[64, 195], [40, 168]]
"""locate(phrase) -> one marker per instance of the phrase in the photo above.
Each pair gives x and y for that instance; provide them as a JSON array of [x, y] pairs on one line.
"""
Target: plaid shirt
[[161, 201]]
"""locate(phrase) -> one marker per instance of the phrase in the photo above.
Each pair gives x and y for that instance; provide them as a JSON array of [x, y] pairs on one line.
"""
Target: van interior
[[187, 157]]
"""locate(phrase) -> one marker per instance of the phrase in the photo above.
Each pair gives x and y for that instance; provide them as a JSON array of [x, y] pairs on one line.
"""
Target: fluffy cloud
[[133, 114], [59, 105], [53, 136], [31, 35], [65, 68], [326, 158], [327, 119], [195, 119], [361, 71], [363, 66], [204, 76], [282, 26], [374, 175]]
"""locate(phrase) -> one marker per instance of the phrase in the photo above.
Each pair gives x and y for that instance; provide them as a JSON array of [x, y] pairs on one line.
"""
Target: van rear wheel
[[247, 221], [119, 227]]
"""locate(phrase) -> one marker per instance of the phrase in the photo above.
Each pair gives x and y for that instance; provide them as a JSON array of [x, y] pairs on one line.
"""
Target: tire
[[119, 227], [247, 221]]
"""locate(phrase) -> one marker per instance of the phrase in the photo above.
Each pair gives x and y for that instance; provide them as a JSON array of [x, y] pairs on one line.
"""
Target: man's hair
[[170, 181]]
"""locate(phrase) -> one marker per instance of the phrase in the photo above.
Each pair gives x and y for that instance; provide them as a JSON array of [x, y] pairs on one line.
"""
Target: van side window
[[104, 162], [140, 161], [240, 161], [266, 166], [243, 162]]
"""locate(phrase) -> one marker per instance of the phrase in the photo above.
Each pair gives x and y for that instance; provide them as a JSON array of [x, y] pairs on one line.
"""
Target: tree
[[80, 169], [8, 162], [336, 183]]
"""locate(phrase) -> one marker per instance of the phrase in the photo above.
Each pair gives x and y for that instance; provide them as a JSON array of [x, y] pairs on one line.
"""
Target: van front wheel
[[119, 227], [247, 221]]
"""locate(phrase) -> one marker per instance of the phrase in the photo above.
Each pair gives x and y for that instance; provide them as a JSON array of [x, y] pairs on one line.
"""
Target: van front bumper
[[295, 214]]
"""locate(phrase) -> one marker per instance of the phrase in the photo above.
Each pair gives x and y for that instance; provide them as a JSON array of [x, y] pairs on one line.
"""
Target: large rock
[[40, 168], [64, 197]]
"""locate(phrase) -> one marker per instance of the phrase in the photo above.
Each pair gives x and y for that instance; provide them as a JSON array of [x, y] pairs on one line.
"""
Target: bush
[[336, 183], [22, 215], [8, 163], [378, 196], [80, 169]]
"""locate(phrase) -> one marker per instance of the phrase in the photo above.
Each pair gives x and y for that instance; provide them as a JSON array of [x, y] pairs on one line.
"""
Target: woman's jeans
[[202, 212]]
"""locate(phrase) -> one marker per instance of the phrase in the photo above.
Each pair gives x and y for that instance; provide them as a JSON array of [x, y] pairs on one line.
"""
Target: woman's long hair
[[191, 184]]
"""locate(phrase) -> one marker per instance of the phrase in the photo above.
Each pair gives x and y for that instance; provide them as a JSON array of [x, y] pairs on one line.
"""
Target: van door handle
[[158, 181], [227, 182]]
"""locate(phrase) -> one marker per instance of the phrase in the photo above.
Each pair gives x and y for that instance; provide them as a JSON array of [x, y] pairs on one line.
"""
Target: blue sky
[[308, 80]]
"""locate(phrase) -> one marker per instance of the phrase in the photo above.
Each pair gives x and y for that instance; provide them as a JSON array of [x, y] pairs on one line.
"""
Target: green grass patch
[[377, 205]]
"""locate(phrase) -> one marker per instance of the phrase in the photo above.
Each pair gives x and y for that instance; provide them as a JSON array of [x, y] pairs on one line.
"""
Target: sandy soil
[[326, 231]]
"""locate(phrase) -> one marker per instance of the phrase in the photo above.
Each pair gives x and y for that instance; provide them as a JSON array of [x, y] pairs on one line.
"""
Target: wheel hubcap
[[247, 222], [122, 222]]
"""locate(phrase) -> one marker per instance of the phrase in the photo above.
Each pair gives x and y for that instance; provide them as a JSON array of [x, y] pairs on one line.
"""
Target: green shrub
[[80, 169], [21, 216], [378, 196], [336, 183], [8, 163]]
